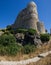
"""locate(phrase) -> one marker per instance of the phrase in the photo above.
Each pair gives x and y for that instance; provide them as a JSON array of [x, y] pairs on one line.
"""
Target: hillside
[[44, 48]]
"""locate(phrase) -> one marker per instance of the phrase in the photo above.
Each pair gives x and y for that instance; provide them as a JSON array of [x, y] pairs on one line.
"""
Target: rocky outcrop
[[32, 39], [27, 38], [28, 18], [19, 37]]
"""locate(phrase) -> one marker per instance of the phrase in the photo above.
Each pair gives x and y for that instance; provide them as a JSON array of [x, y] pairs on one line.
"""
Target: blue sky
[[9, 10]]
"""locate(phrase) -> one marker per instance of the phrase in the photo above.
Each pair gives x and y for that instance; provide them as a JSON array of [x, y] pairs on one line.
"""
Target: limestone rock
[[28, 18], [33, 39], [19, 37]]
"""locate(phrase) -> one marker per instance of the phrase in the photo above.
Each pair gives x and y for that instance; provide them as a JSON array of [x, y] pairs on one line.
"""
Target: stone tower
[[40, 27], [28, 18], [50, 30]]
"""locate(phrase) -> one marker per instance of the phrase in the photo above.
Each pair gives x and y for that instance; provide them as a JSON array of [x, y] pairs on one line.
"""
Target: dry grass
[[43, 61], [20, 56]]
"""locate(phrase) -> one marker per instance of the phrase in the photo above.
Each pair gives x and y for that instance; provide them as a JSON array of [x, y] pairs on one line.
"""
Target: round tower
[[33, 15], [27, 18]]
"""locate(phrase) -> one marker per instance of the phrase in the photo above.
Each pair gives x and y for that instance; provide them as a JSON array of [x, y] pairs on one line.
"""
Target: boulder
[[19, 37]]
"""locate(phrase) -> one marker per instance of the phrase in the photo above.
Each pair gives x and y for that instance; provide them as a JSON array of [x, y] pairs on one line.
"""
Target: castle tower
[[33, 15], [40, 27], [28, 18]]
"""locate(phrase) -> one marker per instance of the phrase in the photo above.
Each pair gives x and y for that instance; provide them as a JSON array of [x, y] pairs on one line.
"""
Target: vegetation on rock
[[10, 46], [21, 30], [32, 31], [45, 37]]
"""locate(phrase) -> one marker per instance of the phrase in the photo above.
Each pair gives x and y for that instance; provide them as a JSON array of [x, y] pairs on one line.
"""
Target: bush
[[9, 27], [10, 50], [7, 32], [12, 31], [29, 48], [8, 45], [7, 39], [13, 49], [21, 30], [3, 30], [32, 31], [2, 50], [45, 37]]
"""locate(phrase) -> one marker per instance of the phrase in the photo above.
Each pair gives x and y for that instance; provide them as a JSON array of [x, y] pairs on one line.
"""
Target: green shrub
[[2, 50], [28, 49], [32, 31], [8, 45], [7, 39], [21, 30], [13, 49], [12, 31], [9, 27], [45, 37], [10, 50], [3, 30], [7, 32]]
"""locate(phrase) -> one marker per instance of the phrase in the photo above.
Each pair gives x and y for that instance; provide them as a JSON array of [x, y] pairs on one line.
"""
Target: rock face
[[33, 39], [19, 37], [28, 18]]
